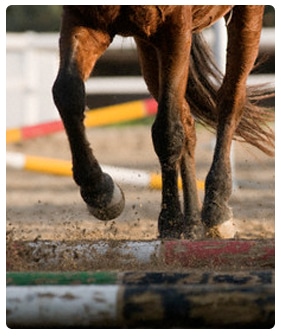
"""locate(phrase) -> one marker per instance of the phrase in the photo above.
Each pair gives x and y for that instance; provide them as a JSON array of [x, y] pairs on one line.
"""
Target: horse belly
[[141, 20], [205, 16]]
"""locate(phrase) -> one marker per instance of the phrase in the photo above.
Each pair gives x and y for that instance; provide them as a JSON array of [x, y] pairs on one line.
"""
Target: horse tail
[[204, 81]]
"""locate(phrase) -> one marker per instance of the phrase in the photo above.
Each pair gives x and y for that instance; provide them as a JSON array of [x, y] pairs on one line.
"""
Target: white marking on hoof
[[226, 230], [113, 209]]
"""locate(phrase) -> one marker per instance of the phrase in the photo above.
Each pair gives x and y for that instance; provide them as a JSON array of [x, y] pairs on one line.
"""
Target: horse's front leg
[[79, 49]]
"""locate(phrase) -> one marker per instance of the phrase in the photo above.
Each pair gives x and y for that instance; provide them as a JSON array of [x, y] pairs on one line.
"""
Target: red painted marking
[[41, 129], [219, 252], [27, 132], [150, 106]]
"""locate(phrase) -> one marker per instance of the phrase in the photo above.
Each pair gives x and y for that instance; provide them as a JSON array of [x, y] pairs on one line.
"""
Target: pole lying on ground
[[246, 303], [237, 290], [121, 175], [202, 254], [98, 117], [155, 299]]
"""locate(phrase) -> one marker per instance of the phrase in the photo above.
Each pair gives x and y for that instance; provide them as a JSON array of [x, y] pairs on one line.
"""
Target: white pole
[[62, 306], [219, 49], [30, 73], [220, 44]]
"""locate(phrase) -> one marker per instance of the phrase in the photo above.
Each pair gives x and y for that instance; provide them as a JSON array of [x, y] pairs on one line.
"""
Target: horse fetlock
[[215, 212], [218, 184], [105, 203]]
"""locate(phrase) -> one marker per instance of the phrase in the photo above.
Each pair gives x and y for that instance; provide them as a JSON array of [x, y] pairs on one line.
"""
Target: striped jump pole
[[204, 254], [141, 300], [98, 117], [44, 165]]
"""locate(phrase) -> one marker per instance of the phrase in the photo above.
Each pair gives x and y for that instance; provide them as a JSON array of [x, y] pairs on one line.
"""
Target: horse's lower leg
[[174, 142], [244, 32], [167, 136], [79, 49], [192, 210], [168, 141], [216, 213], [165, 68], [174, 133]]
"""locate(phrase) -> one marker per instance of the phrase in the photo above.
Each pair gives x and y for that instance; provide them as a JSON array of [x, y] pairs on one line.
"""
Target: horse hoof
[[113, 209], [170, 226], [226, 230]]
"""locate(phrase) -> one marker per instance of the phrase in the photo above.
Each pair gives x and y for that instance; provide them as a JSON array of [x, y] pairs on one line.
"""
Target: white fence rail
[[32, 64]]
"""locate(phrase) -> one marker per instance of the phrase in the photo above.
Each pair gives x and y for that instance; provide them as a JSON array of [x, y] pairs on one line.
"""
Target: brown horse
[[180, 75]]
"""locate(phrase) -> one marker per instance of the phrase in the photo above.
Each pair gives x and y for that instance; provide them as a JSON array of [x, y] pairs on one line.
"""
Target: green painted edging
[[60, 278], [250, 278]]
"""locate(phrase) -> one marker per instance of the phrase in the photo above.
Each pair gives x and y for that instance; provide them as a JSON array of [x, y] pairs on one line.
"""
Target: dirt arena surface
[[48, 207]]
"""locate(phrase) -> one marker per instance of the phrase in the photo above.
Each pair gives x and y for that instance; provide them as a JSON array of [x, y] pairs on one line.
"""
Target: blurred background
[[32, 64]]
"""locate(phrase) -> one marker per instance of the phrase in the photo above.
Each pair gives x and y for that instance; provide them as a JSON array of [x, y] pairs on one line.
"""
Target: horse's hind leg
[[79, 49], [243, 43], [165, 69], [167, 146]]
